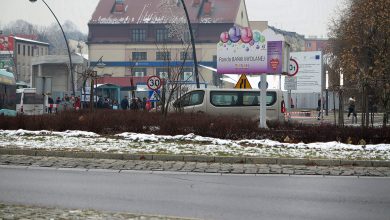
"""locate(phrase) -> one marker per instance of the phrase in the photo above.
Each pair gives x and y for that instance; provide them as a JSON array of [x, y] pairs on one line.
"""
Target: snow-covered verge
[[189, 144]]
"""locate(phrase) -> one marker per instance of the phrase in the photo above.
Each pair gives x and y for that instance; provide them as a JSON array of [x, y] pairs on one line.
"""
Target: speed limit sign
[[154, 82], [294, 68]]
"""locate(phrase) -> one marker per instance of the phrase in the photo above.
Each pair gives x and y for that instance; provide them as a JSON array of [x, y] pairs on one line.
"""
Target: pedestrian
[[77, 103], [144, 103], [100, 102], [134, 104], [115, 104], [51, 102], [125, 103], [351, 109], [148, 105], [319, 109], [58, 102], [66, 98], [106, 103]]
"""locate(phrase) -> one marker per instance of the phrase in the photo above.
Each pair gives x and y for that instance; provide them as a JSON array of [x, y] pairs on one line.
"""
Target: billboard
[[309, 76], [242, 51], [7, 43]]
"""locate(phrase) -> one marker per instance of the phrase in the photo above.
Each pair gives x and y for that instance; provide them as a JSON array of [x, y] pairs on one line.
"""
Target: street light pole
[[193, 45], [66, 42]]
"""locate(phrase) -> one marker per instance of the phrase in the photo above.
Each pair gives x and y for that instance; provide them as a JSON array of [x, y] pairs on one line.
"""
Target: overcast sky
[[308, 17]]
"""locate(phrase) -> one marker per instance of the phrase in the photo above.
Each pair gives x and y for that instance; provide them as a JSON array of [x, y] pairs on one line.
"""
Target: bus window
[[32, 98], [253, 98], [196, 97], [224, 98], [192, 98]]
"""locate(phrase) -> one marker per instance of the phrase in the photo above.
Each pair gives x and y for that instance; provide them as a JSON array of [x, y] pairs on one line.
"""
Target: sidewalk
[[195, 158], [8, 211], [226, 166]]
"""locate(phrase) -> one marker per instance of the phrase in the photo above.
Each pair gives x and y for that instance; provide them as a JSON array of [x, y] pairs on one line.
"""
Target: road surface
[[204, 196]]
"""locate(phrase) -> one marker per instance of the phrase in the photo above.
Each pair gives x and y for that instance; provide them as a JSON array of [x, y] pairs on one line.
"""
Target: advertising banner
[[242, 51], [6, 43], [275, 57]]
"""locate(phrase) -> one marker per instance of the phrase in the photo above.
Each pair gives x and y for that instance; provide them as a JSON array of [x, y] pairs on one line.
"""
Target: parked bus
[[7, 93], [29, 102], [240, 102]]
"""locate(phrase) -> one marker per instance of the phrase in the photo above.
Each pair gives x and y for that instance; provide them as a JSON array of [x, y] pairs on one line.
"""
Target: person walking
[[51, 102], [125, 103], [77, 103], [351, 109], [319, 109], [58, 102]]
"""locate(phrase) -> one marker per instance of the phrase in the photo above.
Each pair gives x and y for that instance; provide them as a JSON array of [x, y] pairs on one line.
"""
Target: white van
[[29, 102], [240, 102]]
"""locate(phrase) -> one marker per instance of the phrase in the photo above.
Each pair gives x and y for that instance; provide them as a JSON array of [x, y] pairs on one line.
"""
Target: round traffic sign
[[294, 68], [154, 82], [259, 85]]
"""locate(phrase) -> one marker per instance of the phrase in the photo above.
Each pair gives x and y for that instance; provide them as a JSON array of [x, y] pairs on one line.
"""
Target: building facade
[[316, 44], [25, 50], [135, 37], [50, 74]]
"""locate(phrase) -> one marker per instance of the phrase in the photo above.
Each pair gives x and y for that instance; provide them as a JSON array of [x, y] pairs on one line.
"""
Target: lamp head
[[32, 1]]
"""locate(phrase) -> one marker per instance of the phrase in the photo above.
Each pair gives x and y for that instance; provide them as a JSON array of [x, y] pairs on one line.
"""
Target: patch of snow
[[186, 144]]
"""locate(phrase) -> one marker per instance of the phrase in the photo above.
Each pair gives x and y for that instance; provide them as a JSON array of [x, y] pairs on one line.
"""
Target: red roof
[[148, 11]]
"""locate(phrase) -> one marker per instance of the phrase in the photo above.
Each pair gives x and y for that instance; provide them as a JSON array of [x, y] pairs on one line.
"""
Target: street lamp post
[[193, 45], [67, 45]]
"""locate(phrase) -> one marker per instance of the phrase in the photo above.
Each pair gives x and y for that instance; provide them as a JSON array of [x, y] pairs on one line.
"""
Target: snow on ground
[[189, 144]]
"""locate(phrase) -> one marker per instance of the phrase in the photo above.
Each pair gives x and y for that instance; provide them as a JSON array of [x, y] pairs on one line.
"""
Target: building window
[[28, 50], [119, 6], [187, 75], [186, 55], [163, 55], [187, 36], [138, 35], [19, 49], [24, 50], [162, 73], [161, 35], [139, 72], [139, 56], [308, 45]]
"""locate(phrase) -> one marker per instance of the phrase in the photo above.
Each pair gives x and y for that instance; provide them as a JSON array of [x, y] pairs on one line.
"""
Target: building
[[316, 44], [296, 41], [19, 52], [50, 74], [134, 37]]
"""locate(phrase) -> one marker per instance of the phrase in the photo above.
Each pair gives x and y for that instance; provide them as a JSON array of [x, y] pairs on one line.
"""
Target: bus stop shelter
[[110, 91]]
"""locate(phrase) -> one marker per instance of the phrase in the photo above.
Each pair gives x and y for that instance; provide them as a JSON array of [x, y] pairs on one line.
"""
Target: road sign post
[[263, 101]]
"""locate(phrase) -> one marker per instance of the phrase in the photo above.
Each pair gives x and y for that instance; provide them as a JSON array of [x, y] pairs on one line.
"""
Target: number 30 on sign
[[154, 83]]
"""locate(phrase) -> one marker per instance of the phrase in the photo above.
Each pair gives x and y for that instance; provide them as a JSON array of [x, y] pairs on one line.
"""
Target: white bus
[[29, 102], [240, 102]]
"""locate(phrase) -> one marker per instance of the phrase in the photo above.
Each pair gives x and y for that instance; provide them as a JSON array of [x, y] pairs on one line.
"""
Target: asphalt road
[[203, 196]]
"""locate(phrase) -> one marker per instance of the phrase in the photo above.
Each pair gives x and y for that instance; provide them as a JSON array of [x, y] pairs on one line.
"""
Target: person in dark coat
[[51, 102], [125, 103]]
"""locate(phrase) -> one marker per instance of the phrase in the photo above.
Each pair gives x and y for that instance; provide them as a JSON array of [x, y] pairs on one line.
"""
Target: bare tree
[[360, 43]]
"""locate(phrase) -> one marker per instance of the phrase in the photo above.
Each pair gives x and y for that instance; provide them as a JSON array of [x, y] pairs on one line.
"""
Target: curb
[[190, 158]]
